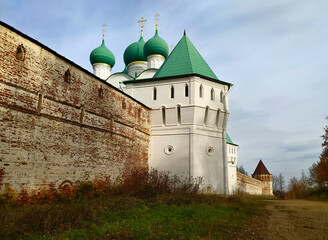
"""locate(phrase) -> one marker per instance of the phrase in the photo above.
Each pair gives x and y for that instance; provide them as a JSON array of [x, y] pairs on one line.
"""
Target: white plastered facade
[[232, 159], [101, 70], [188, 129]]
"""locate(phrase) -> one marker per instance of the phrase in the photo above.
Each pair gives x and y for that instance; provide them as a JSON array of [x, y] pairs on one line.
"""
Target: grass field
[[166, 216]]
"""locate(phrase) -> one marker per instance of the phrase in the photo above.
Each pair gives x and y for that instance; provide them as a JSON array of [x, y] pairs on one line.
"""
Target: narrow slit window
[[179, 114], [212, 95], [163, 116], [217, 118], [155, 93], [186, 90], [221, 96], [172, 92], [201, 91], [206, 115]]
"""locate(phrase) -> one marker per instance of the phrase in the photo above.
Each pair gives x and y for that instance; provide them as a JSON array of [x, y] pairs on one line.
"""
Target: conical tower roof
[[261, 169], [185, 60]]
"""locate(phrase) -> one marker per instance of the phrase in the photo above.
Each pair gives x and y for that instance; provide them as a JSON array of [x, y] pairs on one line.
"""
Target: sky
[[274, 52]]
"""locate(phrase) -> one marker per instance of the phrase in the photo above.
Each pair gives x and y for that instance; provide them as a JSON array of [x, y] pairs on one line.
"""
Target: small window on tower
[[212, 94], [155, 93], [172, 91], [179, 114], [206, 115], [163, 116], [221, 97], [201, 91], [186, 90]]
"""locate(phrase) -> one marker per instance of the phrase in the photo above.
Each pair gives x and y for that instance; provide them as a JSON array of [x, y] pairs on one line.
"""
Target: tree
[[322, 171], [278, 185], [281, 183], [241, 170], [295, 188], [275, 183], [313, 173]]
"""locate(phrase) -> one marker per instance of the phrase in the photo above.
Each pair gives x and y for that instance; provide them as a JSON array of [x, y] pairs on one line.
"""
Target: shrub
[[150, 184]]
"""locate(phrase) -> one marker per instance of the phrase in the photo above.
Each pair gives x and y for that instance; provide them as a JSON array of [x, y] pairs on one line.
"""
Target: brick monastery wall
[[249, 184], [52, 130]]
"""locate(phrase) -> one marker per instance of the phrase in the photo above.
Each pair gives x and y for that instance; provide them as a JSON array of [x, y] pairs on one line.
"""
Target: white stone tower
[[188, 117]]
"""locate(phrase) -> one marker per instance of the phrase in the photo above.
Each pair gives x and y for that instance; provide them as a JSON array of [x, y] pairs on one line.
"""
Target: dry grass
[[151, 205]]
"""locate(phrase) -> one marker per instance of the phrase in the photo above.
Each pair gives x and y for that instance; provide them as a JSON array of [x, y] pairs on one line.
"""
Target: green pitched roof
[[229, 139], [184, 60]]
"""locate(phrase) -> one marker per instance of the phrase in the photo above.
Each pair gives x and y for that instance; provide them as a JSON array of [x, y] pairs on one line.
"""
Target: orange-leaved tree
[[322, 168]]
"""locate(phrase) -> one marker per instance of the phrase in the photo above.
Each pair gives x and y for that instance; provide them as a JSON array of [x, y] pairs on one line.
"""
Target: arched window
[[201, 91], [212, 94], [206, 115], [172, 91], [163, 116], [155, 93], [221, 97], [179, 114], [186, 90]]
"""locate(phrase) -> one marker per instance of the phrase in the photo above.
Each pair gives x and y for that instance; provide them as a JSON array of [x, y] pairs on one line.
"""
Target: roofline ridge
[[189, 58]]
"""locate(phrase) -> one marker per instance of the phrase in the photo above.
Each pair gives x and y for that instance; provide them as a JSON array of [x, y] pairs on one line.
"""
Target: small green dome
[[102, 55], [156, 45], [134, 52]]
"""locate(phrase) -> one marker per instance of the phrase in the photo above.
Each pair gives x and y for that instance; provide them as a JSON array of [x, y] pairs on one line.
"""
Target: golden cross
[[157, 18], [142, 24], [104, 25]]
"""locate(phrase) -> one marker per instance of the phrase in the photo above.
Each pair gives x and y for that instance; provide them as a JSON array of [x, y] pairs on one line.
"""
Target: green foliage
[[167, 216], [322, 168]]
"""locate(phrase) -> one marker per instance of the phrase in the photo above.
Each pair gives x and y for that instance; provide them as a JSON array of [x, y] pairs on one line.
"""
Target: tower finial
[[142, 24], [157, 18], [104, 25]]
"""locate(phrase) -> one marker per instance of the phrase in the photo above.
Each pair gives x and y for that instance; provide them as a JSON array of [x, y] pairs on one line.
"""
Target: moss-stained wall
[[52, 129]]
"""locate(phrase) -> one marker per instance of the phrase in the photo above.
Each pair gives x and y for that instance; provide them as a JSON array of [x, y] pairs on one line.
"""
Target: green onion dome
[[102, 55], [134, 52], [156, 45]]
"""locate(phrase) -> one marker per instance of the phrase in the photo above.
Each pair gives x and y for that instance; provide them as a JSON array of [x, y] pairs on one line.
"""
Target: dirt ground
[[289, 219]]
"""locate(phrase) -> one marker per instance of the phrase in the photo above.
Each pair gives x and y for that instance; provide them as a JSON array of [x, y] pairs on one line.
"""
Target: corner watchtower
[[261, 173]]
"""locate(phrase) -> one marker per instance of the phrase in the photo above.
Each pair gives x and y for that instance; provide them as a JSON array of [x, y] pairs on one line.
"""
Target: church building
[[189, 108]]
